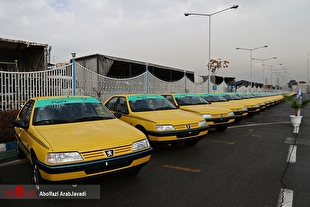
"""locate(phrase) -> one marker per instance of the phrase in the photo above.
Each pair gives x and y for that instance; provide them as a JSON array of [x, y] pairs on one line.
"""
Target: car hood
[[230, 105], [90, 135], [205, 109], [174, 116]]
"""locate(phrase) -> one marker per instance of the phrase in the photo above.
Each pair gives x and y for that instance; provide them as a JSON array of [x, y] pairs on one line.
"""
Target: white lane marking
[[257, 124], [291, 157], [285, 198], [299, 141]]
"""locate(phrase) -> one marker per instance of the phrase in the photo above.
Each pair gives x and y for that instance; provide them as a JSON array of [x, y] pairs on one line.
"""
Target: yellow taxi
[[217, 117], [251, 98], [240, 111], [270, 99], [73, 137], [252, 106], [160, 120]]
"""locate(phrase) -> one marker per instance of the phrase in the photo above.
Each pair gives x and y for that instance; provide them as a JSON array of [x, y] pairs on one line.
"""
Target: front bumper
[[177, 136], [87, 169]]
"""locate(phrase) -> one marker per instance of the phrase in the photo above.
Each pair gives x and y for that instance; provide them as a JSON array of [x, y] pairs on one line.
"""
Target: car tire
[[221, 128], [191, 143], [20, 154], [37, 179]]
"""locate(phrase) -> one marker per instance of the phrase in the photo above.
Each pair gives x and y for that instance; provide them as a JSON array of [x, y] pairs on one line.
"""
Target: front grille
[[109, 165], [183, 126], [187, 134], [221, 121], [238, 113], [100, 154]]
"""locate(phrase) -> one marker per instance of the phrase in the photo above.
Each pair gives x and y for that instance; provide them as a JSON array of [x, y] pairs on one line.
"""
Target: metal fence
[[17, 87]]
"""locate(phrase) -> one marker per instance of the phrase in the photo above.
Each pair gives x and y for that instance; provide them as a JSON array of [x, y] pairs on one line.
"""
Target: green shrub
[[6, 125]]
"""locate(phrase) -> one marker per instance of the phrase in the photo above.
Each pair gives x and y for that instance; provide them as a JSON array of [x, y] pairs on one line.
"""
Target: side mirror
[[21, 124]]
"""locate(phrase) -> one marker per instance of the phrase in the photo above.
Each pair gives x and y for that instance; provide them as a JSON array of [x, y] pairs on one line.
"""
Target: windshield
[[190, 100], [150, 104], [70, 112], [215, 98], [232, 97]]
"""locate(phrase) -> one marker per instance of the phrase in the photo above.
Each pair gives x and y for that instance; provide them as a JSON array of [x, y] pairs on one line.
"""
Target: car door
[[23, 134]]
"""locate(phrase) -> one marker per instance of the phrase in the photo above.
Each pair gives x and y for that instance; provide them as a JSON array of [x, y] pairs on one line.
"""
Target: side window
[[26, 111], [122, 105], [170, 99], [111, 105]]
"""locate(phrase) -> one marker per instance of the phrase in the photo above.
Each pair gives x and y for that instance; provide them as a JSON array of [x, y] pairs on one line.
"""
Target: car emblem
[[221, 115], [188, 126], [109, 153]]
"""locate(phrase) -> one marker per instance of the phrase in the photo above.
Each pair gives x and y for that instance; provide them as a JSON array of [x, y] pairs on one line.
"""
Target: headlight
[[55, 158], [244, 109], [164, 128], [257, 105], [231, 113], [202, 123], [140, 145], [206, 116]]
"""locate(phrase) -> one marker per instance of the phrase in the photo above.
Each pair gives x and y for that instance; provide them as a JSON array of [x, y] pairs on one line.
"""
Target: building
[[19, 55], [124, 68]]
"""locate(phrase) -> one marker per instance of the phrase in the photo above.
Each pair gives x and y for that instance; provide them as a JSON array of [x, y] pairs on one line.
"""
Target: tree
[[215, 65]]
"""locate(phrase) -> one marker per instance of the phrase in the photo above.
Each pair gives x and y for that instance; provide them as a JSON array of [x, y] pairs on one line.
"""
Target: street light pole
[[73, 73], [263, 60], [271, 66], [210, 15], [277, 76], [251, 52]]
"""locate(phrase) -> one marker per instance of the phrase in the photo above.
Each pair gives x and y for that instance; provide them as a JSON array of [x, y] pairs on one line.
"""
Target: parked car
[[73, 137], [217, 117], [253, 107], [251, 98], [240, 111], [161, 121]]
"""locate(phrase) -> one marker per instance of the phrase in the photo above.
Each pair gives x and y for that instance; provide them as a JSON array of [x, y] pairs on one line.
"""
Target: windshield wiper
[[164, 108], [91, 118], [50, 121]]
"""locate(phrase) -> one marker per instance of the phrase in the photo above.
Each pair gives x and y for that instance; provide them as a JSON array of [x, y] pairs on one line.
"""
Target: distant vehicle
[[252, 106], [73, 137], [240, 111], [217, 117], [160, 120]]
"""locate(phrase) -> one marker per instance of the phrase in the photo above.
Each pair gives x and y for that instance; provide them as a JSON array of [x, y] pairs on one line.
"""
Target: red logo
[[20, 192]]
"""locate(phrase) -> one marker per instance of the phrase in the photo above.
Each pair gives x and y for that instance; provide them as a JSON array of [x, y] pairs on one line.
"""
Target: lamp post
[[271, 66], [73, 73], [263, 60], [276, 71], [251, 54], [210, 15]]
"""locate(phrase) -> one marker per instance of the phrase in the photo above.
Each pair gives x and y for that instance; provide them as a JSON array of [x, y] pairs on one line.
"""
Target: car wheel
[[20, 154], [37, 179], [221, 128], [191, 143]]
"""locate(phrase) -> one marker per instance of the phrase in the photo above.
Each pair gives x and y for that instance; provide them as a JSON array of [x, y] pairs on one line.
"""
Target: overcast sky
[[156, 31]]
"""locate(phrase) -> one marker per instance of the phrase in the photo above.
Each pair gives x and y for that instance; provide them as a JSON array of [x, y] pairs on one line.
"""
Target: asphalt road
[[246, 165]]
